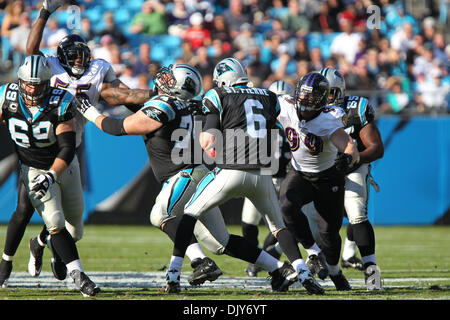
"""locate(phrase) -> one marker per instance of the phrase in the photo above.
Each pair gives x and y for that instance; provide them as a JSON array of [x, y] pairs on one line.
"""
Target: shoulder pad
[[161, 103]]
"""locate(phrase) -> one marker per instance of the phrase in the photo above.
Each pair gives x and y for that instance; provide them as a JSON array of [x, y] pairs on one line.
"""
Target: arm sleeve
[[212, 122], [113, 126], [66, 143]]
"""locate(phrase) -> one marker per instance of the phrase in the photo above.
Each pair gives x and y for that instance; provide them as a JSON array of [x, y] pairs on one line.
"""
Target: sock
[[176, 263], [349, 249], [42, 237], [40, 242], [7, 257], [184, 235], [194, 251], [64, 245], [288, 245], [270, 240], [268, 262], [364, 237], [250, 232], [314, 249], [74, 265], [368, 260], [333, 269], [299, 265], [240, 248]]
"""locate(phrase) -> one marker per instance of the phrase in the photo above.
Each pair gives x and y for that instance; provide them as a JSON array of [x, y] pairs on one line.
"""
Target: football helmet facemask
[[230, 72], [74, 55], [311, 93], [337, 85], [34, 79], [180, 81]]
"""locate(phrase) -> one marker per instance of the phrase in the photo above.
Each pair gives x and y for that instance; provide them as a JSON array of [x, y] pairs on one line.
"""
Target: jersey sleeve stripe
[[64, 104], [213, 97], [2, 94], [165, 107], [362, 110]]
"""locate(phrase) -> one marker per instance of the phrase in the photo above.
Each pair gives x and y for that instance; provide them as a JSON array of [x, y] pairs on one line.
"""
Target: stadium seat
[[112, 5]]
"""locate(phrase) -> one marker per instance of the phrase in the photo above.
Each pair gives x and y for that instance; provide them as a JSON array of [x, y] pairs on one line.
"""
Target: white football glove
[[51, 5], [41, 184], [86, 108]]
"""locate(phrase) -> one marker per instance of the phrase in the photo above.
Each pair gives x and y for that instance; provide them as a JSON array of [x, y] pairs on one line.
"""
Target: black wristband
[[44, 14]]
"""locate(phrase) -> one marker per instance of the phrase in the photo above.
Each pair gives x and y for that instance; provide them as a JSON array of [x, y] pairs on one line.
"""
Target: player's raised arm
[[35, 37]]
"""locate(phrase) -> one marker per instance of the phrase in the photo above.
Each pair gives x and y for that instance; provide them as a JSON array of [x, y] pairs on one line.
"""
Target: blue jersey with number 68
[[33, 129], [247, 117]]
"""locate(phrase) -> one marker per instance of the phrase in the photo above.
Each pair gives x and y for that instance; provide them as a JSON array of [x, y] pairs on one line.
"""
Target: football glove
[[195, 107], [51, 5], [85, 107], [41, 184], [343, 161]]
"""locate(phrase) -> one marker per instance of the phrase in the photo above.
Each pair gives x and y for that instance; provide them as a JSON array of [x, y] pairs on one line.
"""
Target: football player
[[75, 71], [231, 108], [158, 121], [250, 215], [321, 151], [362, 128], [41, 122]]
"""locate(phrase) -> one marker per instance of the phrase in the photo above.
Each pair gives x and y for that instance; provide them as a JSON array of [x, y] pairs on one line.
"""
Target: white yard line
[[127, 280]]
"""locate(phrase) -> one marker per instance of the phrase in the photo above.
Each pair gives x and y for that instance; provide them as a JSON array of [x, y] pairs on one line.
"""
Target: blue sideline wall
[[414, 175]]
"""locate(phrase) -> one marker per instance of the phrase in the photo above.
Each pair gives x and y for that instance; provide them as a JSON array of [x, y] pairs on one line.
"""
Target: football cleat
[[173, 281], [5, 272], [352, 262], [59, 268], [372, 278], [35, 261], [309, 283], [82, 282], [206, 269], [316, 264], [340, 282], [283, 277], [252, 270]]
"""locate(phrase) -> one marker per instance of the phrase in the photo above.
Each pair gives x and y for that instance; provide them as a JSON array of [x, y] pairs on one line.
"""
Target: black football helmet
[[311, 93], [69, 49]]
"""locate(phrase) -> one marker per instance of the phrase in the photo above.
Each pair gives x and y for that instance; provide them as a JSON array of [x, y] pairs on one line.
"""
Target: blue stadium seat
[[122, 17], [113, 5], [314, 39], [95, 14]]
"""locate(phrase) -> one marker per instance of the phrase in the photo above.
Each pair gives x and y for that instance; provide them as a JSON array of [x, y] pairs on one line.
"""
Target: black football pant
[[326, 190], [19, 221]]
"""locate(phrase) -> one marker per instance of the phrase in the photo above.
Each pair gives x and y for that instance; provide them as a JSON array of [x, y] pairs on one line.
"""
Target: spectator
[[235, 17], [86, 30], [245, 42], [143, 60], [112, 29], [197, 34], [12, 17], [302, 68], [295, 22], [151, 20], [19, 34], [315, 59], [205, 7], [324, 21], [403, 39], [104, 50], [432, 95], [301, 50], [51, 36], [258, 72], [220, 29], [203, 63], [218, 51], [346, 44], [178, 19], [128, 78], [188, 55], [429, 29], [277, 28], [395, 99], [143, 81], [439, 47], [116, 60], [283, 65], [278, 10], [424, 62]]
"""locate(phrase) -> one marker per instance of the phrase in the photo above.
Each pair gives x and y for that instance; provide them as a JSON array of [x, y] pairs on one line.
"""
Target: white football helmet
[[34, 79], [230, 72], [337, 85], [180, 81], [281, 87]]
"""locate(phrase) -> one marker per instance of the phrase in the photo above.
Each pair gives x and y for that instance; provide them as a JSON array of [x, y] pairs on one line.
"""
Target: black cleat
[[252, 270], [309, 283], [353, 262], [283, 277], [82, 282], [59, 268], [173, 281], [340, 282], [5, 272], [35, 261], [206, 269], [316, 264]]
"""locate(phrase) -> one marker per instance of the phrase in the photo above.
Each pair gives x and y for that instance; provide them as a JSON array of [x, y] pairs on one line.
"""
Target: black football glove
[[41, 184], [343, 161], [195, 107]]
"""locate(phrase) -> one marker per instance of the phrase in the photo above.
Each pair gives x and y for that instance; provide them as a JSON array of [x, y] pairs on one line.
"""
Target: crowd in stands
[[394, 52]]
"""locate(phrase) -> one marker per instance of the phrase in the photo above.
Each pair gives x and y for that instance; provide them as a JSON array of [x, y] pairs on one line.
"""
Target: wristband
[[92, 114], [52, 173]]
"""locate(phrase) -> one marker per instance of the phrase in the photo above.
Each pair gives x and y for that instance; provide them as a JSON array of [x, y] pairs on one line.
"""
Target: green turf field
[[414, 263]]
